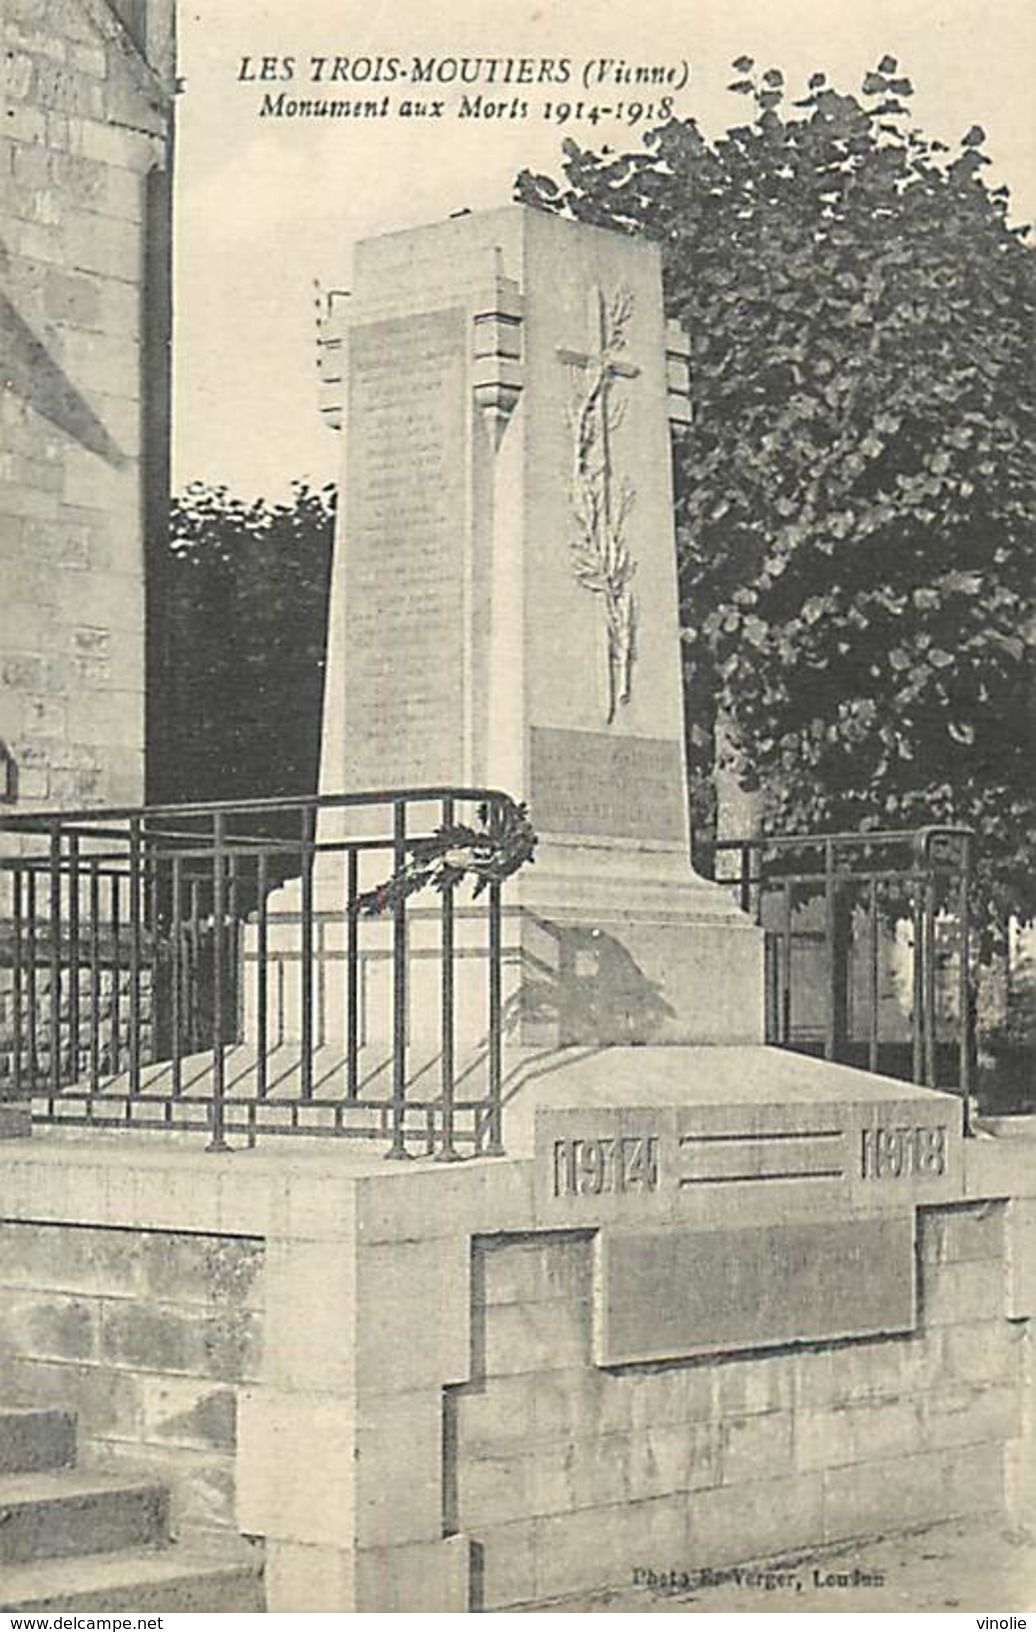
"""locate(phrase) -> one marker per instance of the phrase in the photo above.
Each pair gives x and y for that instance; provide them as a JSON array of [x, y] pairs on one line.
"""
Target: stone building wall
[[84, 215], [148, 1336], [568, 1477]]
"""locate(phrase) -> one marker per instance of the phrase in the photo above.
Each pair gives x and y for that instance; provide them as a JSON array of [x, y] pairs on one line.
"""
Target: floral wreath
[[489, 853]]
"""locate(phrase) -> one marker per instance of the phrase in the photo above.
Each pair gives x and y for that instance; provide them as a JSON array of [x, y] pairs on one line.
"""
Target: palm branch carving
[[601, 503]]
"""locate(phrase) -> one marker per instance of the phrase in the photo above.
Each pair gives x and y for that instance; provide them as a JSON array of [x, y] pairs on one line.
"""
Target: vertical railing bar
[[116, 1007], [873, 972], [785, 966], [495, 1142], [18, 1016], [306, 955], [745, 887], [151, 859], [231, 944], [930, 1027], [192, 971], [176, 972], [352, 975], [831, 949], [95, 976], [321, 997], [918, 1043], [447, 1150], [218, 1140], [54, 905], [136, 884], [399, 984], [261, 992], [494, 1145], [964, 977], [33, 984], [54, 957], [73, 957], [151, 900]]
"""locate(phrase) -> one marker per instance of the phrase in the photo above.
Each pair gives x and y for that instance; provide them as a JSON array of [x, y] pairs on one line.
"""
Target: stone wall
[[81, 428], [148, 1336], [566, 1476]]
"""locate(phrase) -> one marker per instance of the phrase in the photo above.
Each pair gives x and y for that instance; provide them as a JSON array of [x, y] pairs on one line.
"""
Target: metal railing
[[236, 967], [867, 946]]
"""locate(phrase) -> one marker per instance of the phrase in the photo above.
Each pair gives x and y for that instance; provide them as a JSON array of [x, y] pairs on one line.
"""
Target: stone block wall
[[149, 1336], [112, 1025], [85, 125], [566, 1476]]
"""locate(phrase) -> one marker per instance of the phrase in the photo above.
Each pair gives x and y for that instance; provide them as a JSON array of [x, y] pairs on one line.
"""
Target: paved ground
[[953, 1567]]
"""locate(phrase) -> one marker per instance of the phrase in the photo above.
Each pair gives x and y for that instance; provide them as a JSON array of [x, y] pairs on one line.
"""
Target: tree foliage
[[238, 630], [855, 494]]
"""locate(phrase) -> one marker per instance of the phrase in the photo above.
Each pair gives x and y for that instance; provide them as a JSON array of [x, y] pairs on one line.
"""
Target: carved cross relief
[[601, 499]]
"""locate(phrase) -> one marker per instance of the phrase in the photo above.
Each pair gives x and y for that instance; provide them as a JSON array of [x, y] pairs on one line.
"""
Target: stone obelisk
[[504, 608]]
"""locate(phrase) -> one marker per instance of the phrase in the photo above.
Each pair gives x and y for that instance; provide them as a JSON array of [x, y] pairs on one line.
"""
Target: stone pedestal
[[490, 1384]]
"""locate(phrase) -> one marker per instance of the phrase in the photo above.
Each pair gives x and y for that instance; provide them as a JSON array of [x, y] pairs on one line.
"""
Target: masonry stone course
[[959, 1234], [148, 1336], [779, 1449], [757, 1447], [773, 1452], [84, 123]]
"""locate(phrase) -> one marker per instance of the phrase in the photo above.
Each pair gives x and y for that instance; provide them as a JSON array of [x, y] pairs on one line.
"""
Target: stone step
[[193, 1577], [53, 1515], [34, 1440]]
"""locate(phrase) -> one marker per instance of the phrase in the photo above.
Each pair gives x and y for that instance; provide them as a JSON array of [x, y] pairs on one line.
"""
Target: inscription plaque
[[668, 1294], [614, 787], [404, 551]]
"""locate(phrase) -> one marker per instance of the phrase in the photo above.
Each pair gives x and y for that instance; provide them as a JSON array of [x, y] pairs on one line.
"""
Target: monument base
[[715, 1305], [602, 944], [625, 943]]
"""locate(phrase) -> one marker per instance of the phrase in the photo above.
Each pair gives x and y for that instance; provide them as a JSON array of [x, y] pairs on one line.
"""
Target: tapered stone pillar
[[504, 607]]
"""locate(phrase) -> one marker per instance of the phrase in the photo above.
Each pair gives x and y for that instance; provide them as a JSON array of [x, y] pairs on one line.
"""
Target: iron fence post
[[397, 1150], [95, 973], [136, 885], [918, 1027], [447, 1151], [745, 886], [262, 996], [494, 1145], [218, 1140], [873, 991], [831, 952], [176, 973], [18, 1017], [73, 958], [352, 974], [964, 973], [306, 954], [54, 905], [929, 971]]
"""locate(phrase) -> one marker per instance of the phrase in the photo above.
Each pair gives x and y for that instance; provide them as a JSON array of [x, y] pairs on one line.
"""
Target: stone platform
[[716, 1304]]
